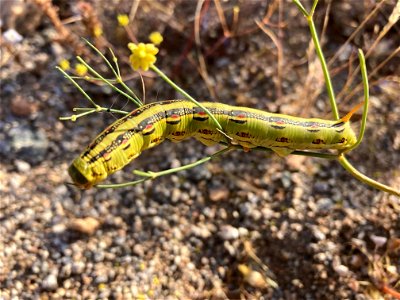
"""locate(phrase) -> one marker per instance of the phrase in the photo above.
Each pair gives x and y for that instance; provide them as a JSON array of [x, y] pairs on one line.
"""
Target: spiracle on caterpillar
[[176, 120]]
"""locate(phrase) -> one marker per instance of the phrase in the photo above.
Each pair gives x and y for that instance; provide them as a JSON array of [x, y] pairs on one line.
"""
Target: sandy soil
[[244, 226]]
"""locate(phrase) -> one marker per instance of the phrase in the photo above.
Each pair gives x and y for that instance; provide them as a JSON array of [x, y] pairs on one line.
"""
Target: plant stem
[[115, 71], [364, 75], [180, 90], [107, 81], [341, 158], [152, 175], [77, 86], [367, 180]]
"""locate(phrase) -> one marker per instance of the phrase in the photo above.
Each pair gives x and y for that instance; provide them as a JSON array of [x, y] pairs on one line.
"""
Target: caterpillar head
[[85, 175]]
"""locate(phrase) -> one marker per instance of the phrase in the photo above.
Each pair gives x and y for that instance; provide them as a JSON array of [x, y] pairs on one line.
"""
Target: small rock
[[12, 36], [77, 267], [379, 241], [295, 162], [318, 234], [324, 205], [321, 187], [138, 250], [254, 278], [201, 231], [22, 166], [243, 232], [229, 232], [86, 225], [219, 194], [102, 278], [50, 283], [28, 144], [58, 228], [342, 270], [21, 107]]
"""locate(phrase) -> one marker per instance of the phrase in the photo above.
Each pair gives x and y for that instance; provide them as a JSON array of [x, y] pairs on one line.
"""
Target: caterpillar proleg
[[176, 120]]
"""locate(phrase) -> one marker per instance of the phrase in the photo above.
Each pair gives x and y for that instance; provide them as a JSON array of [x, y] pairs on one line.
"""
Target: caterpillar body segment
[[176, 120]]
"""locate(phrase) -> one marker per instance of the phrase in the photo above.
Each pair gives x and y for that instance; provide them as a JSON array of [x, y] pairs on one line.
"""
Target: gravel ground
[[244, 226]]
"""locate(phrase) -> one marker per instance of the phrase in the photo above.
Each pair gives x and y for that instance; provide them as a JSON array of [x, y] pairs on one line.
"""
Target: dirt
[[243, 226]]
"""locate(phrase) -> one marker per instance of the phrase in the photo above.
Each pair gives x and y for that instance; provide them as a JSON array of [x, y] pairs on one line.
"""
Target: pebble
[[170, 241], [138, 250], [86, 225], [324, 205], [12, 36], [21, 107], [342, 270], [228, 232], [22, 166], [318, 234], [201, 231], [59, 228], [77, 267], [28, 144], [219, 194], [379, 241], [321, 187], [50, 283], [252, 277]]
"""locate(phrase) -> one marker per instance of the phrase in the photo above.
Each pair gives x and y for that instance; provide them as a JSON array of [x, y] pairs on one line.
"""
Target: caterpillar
[[176, 120]]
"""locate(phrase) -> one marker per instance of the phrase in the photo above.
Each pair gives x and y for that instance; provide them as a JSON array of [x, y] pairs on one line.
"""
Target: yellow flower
[[64, 64], [80, 69], [123, 20], [156, 38], [97, 31], [143, 55]]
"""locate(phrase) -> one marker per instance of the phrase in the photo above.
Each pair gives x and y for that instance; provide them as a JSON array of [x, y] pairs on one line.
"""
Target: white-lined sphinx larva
[[176, 120]]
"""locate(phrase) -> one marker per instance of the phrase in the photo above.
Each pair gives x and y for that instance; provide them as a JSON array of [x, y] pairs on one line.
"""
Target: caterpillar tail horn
[[347, 117]]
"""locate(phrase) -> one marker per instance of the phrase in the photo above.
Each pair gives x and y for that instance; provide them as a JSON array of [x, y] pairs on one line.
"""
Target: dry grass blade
[[278, 45], [65, 35], [202, 64], [358, 29], [393, 19]]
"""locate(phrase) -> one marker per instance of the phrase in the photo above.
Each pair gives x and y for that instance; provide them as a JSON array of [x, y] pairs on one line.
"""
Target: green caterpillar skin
[[176, 120]]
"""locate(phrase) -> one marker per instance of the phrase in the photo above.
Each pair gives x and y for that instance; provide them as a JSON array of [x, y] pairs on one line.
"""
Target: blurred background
[[246, 225]]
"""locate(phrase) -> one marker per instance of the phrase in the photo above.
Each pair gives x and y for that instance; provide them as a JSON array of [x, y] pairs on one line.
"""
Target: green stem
[[152, 175], [367, 180], [88, 111], [364, 75], [324, 66], [93, 71], [341, 158], [115, 71], [301, 7], [73, 118], [318, 49], [117, 111], [77, 86], [180, 90]]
